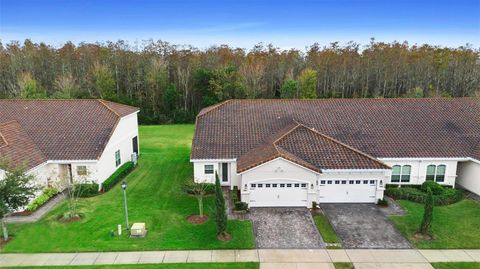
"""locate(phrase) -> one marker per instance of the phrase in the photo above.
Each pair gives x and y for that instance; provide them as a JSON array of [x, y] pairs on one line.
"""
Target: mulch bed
[[3, 242], [22, 213], [68, 220], [197, 219], [224, 237], [423, 236]]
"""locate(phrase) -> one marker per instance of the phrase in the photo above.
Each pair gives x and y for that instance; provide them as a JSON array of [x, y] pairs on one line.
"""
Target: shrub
[[241, 206], [382, 202], [446, 197], [86, 189], [314, 205], [433, 186], [235, 195], [46, 195], [117, 176]]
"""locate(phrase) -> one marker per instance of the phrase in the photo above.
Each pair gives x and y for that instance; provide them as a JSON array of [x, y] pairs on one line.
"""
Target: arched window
[[396, 172], [440, 177], [406, 170], [401, 173], [436, 172]]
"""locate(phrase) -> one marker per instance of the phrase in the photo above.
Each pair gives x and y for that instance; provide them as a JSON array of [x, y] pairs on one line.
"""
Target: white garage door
[[278, 194], [346, 191]]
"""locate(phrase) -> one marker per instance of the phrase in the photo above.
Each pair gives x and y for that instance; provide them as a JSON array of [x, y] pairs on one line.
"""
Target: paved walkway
[[44, 209], [268, 258]]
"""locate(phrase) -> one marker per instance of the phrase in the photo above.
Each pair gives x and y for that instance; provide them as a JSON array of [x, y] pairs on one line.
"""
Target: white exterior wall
[[469, 176], [199, 175], [280, 169], [419, 170], [121, 139]]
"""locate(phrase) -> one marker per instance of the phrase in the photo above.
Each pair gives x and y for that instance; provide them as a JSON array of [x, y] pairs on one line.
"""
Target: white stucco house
[[295, 152], [67, 140]]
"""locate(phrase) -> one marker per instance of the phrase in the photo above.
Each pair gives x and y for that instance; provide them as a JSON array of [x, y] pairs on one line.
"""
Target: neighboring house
[[67, 140], [295, 152]]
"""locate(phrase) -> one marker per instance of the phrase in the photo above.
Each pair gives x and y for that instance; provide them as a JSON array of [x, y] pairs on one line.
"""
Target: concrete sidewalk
[[268, 258]]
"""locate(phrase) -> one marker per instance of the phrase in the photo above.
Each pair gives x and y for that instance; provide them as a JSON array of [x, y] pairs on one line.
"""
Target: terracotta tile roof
[[388, 128], [17, 147], [66, 129], [310, 149]]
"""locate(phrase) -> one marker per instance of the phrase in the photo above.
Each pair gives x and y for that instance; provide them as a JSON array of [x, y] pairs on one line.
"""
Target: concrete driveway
[[286, 228], [363, 226]]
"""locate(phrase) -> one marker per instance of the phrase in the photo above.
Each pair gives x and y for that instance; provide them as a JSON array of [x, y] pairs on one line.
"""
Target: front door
[[224, 172], [135, 144]]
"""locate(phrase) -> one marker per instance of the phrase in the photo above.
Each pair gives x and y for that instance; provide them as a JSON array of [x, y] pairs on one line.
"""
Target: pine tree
[[220, 214], [427, 213]]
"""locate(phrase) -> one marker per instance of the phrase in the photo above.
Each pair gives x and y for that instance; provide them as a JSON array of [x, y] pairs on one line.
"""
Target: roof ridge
[[344, 145], [109, 108], [287, 132], [213, 107]]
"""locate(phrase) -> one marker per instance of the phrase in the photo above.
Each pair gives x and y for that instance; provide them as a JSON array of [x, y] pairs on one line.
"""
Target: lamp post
[[124, 187]]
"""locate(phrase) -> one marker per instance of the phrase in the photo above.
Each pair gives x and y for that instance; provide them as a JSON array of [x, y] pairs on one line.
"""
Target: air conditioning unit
[[138, 229]]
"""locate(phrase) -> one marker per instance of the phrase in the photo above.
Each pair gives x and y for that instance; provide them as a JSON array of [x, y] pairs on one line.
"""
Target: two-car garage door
[[278, 193], [346, 191]]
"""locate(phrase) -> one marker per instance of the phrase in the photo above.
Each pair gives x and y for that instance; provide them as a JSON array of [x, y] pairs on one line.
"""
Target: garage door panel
[[356, 192], [278, 194]]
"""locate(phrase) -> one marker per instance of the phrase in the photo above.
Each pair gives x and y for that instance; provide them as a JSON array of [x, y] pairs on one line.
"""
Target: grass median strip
[[456, 265], [155, 266], [325, 229]]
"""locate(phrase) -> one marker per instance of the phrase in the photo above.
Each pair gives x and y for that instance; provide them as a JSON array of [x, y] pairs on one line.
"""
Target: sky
[[286, 24]]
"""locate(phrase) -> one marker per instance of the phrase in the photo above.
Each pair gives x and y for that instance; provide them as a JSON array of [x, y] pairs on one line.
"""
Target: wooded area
[[171, 83]]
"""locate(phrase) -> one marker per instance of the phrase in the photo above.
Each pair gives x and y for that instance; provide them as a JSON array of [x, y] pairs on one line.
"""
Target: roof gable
[[17, 147]]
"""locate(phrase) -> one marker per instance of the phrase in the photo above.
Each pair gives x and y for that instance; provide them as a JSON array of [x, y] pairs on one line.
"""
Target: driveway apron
[[363, 226], [285, 228]]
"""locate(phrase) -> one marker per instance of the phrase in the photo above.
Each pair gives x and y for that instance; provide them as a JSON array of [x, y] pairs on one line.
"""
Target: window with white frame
[[436, 172], [82, 170], [208, 169], [401, 173], [118, 159]]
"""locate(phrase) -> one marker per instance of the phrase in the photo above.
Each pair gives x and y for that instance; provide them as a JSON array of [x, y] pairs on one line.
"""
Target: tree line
[[171, 83]]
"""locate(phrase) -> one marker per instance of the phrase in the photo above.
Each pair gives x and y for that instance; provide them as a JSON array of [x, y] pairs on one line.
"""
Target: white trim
[[212, 160], [428, 159], [134, 113], [277, 159], [473, 160], [70, 161], [353, 170]]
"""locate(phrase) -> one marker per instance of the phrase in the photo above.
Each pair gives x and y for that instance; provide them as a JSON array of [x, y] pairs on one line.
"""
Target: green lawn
[[325, 229], [343, 265], [456, 265], [158, 266], [154, 196], [454, 226]]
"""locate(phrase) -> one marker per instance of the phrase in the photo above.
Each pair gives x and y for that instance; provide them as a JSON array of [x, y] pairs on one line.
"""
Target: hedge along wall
[[117, 176], [447, 197]]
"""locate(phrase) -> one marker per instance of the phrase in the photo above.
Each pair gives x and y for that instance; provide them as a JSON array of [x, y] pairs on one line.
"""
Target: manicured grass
[[325, 229], [154, 196], [454, 226], [343, 265], [456, 265], [157, 266]]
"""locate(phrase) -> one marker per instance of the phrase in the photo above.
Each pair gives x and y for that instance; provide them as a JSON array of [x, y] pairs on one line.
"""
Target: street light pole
[[124, 187]]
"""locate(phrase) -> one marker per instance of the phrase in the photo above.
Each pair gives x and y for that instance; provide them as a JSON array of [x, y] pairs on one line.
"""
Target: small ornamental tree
[[427, 213], [220, 214], [16, 190], [199, 190]]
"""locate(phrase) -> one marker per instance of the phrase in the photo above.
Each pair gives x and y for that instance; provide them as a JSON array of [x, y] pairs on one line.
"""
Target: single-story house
[[61, 141], [295, 152]]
